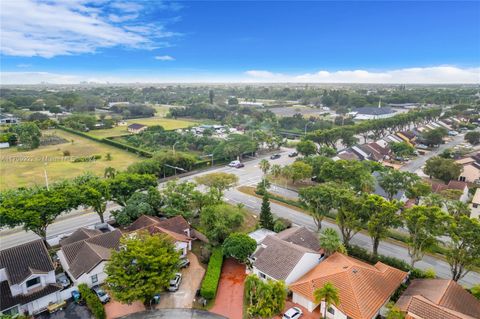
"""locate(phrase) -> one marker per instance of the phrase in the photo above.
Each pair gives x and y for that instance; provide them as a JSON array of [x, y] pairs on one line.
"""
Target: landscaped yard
[[17, 172], [168, 124]]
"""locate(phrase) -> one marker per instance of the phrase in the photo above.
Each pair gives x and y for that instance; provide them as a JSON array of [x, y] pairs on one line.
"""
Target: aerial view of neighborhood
[[239, 159]]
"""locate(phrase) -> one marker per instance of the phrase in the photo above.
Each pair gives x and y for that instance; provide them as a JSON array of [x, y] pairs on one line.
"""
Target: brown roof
[[174, 227], [442, 296], [379, 149], [7, 300], [372, 152], [347, 155], [363, 288], [82, 256], [439, 187], [143, 221], [23, 260], [300, 236], [136, 126], [80, 234], [277, 258], [457, 185]]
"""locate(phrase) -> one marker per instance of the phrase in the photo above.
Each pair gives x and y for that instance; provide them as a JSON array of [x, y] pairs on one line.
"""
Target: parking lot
[[71, 311]]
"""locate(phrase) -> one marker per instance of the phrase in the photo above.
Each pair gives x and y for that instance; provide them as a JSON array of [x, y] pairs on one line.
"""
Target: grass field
[[16, 173], [168, 124]]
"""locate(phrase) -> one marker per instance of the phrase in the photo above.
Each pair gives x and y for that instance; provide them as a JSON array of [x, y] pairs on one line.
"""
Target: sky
[[69, 41]]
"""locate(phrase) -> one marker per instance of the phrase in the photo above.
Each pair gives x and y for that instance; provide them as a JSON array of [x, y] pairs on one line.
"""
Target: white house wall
[[302, 301], [86, 278], [40, 304], [304, 265], [338, 314]]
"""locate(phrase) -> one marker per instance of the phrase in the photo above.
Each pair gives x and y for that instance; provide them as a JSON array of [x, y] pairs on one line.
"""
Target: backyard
[[24, 168]]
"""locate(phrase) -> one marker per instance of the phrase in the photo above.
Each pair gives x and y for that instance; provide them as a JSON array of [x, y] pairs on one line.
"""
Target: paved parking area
[[71, 311], [191, 279], [306, 314], [229, 300], [174, 313]]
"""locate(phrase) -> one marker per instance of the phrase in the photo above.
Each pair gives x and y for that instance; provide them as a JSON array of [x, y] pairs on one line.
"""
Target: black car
[[293, 154], [275, 156]]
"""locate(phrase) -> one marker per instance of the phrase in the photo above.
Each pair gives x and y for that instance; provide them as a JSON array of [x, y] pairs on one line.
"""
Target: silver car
[[62, 280], [101, 294], [175, 282]]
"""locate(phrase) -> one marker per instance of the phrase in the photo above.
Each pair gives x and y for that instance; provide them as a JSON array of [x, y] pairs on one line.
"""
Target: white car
[[175, 282], [293, 313]]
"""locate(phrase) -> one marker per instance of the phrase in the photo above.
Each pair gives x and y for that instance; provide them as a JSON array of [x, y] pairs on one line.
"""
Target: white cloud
[[23, 65], [419, 75], [47, 29], [164, 58]]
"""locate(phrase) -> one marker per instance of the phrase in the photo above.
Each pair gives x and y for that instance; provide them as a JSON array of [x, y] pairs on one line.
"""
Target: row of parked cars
[[238, 164]]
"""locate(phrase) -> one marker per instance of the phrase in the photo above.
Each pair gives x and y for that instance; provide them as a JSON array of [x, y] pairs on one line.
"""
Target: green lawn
[[168, 124], [17, 173]]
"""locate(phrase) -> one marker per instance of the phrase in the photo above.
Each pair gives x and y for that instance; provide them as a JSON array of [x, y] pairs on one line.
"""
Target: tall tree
[[218, 221], [142, 268], [297, 171], [330, 241], [266, 217], [329, 294], [320, 200], [392, 181], [264, 166], [218, 182], [442, 168], [94, 192], [276, 170], [181, 198], [28, 135], [239, 246], [463, 252], [424, 225], [382, 215], [473, 137], [264, 299], [123, 185], [350, 217], [306, 148]]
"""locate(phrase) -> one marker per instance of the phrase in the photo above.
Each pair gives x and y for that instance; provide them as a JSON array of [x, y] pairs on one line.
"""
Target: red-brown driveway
[[229, 300]]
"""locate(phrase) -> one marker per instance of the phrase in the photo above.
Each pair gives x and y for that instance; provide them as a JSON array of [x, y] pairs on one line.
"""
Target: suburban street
[[251, 175]]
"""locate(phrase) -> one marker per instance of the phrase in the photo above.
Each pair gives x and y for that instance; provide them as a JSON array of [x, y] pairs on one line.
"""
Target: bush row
[[210, 281], [92, 301], [108, 142]]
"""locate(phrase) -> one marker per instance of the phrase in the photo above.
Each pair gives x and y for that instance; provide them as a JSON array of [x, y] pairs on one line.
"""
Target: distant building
[[136, 128], [254, 104], [404, 105], [372, 113], [9, 119]]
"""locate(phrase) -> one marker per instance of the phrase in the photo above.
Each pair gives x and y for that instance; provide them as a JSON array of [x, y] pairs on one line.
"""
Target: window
[[262, 275], [331, 310], [33, 282], [475, 205], [94, 279]]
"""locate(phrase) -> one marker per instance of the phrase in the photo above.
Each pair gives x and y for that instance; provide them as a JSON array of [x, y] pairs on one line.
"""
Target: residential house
[[176, 228], [400, 195], [84, 254], [438, 298], [470, 170], [454, 185], [364, 290], [8, 119], [287, 255], [27, 279], [136, 128], [475, 205], [260, 234]]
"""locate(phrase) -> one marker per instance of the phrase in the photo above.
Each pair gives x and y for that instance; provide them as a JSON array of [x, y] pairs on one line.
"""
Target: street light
[[173, 147], [307, 125], [175, 168]]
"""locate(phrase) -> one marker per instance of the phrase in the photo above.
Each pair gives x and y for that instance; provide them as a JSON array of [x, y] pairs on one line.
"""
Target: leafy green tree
[[234, 146], [394, 312], [330, 241], [327, 151], [402, 149], [217, 182], [418, 189], [392, 181], [218, 221], [424, 225], [239, 246], [140, 203], [28, 135], [276, 170], [320, 200], [36, 208], [350, 217], [435, 136], [142, 268], [266, 217], [306, 148], [473, 137], [329, 294], [442, 168], [357, 174], [123, 185], [109, 172], [475, 290], [264, 166], [94, 192], [264, 299], [181, 198], [297, 171], [457, 208], [463, 252], [382, 215]]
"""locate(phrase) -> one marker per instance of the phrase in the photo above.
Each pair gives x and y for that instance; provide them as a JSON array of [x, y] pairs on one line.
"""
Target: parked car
[[293, 154], [275, 156], [293, 313], [236, 164], [101, 294], [183, 263], [175, 282], [62, 280], [452, 133]]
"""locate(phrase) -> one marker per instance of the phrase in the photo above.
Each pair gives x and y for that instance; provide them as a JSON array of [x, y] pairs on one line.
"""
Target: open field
[[17, 173], [168, 124], [304, 110]]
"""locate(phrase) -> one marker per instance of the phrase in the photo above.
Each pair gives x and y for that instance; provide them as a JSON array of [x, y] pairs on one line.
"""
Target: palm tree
[[331, 242], [276, 170], [110, 172], [329, 294], [264, 166]]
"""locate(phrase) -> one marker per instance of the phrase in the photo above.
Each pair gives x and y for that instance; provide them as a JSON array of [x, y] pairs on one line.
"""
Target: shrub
[[210, 281], [281, 224], [92, 301], [66, 153]]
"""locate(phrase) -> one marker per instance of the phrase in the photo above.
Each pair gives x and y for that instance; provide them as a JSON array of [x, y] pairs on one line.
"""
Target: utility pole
[[46, 176]]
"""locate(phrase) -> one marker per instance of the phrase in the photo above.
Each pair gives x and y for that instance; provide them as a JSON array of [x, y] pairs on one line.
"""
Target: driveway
[[306, 314], [174, 313], [229, 300], [191, 279], [115, 309], [71, 311]]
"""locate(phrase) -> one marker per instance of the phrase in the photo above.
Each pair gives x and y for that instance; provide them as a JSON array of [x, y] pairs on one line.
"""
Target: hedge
[[92, 301], [210, 281]]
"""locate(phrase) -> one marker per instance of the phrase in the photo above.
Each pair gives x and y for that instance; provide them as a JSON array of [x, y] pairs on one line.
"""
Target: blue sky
[[152, 41]]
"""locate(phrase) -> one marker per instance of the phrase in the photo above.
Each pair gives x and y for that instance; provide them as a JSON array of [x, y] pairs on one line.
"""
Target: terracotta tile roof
[[175, 227], [442, 296], [300, 236], [277, 258], [174, 235], [80, 234], [363, 288], [82, 256], [23, 260], [439, 187], [457, 185]]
